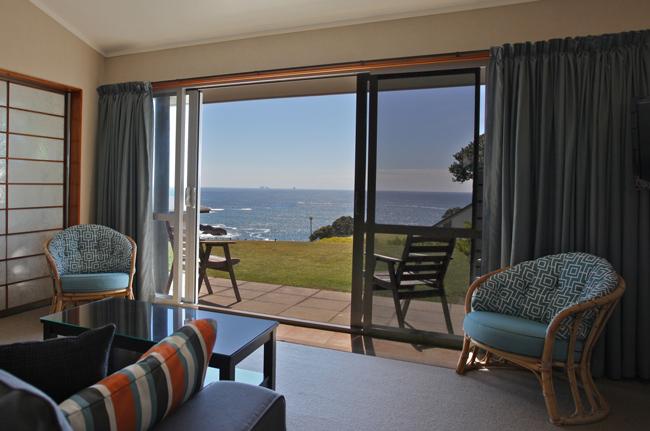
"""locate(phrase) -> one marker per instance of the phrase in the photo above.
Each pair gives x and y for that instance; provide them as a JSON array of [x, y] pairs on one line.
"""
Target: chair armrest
[[387, 259], [54, 271], [476, 284], [606, 306]]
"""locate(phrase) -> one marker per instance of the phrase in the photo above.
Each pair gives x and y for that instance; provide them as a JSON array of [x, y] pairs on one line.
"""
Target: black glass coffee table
[[140, 325]]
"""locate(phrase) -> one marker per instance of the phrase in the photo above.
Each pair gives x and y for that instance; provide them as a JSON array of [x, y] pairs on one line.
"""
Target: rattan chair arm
[[134, 253], [54, 271], [476, 284], [578, 310]]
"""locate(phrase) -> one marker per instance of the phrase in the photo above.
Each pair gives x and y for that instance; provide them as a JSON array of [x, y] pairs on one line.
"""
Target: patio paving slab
[[224, 282], [336, 296], [244, 292], [293, 290], [280, 298], [262, 287], [342, 318], [325, 304], [309, 313], [260, 307]]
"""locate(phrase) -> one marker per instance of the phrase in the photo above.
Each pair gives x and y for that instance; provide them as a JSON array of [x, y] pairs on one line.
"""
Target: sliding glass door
[[418, 138], [175, 199], [415, 217]]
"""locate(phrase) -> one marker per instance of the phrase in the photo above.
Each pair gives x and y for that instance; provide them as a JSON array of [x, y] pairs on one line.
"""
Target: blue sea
[[283, 214]]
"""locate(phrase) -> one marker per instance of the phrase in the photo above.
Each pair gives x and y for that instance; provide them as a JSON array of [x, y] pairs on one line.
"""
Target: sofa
[[37, 404]]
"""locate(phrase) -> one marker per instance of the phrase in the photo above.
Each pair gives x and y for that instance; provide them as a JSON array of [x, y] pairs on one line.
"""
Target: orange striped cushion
[[140, 395]]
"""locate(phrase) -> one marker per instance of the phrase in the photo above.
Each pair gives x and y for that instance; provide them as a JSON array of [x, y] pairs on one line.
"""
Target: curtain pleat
[[559, 171], [124, 169]]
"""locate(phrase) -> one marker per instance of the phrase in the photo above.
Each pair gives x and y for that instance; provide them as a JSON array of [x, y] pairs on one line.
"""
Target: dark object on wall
[[642, 143]]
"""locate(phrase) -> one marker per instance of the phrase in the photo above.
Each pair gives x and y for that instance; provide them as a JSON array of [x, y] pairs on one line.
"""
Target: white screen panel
[[36, 124], [3, 222], [27, 171], [3, 247], [36, 219], [29, 291], [26, 268], [3, 171], [26, 244], [34, 196], [31, 147], [3, 145], [3, 119], [3, 93], [3, 272], [36, 100], [3, 198]]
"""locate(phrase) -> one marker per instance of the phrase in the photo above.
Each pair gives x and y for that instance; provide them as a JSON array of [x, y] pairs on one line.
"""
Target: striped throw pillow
[[140, 395]]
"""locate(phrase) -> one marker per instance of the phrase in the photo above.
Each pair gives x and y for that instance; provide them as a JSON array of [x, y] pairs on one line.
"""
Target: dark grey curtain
[[559, 171], [123, 170]]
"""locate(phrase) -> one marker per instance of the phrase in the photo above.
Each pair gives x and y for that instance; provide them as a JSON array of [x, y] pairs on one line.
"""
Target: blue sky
[[308, 142]]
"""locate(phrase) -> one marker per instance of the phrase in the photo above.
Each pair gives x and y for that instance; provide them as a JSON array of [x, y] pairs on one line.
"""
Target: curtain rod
[[322, 70]]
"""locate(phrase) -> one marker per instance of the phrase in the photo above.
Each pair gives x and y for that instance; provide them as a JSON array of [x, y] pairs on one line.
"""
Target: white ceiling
[[116, 27]]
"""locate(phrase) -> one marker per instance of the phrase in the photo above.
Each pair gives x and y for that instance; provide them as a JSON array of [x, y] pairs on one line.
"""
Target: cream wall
[[461, 31], [36, 45]]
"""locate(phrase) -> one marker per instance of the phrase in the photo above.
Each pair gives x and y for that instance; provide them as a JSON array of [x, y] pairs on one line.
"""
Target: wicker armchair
[[90, 262], [543, 315]]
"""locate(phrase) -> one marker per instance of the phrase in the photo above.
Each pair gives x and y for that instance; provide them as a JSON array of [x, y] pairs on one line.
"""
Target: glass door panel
[[174, 202], [421, 200]]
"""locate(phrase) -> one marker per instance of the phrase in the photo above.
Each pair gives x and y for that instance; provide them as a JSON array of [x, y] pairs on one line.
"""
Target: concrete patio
[[323, 305]]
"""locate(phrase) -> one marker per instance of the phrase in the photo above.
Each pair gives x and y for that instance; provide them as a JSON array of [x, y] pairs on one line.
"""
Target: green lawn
[[323, 264]]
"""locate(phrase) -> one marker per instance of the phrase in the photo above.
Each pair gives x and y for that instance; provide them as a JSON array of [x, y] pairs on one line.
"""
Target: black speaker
[[641, 135]]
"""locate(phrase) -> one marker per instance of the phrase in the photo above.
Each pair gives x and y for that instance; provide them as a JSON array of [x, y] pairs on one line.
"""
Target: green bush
[[342, 226]]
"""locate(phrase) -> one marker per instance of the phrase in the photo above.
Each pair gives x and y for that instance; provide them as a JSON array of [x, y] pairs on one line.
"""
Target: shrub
[[342, 226]]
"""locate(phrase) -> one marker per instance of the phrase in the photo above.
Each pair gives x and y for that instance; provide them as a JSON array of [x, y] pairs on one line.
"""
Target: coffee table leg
[[269, 362], [227, 372], [47, 332]]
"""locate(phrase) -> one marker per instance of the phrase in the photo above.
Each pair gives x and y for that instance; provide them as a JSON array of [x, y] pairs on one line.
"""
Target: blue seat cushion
[[514, 335], [97, 282]]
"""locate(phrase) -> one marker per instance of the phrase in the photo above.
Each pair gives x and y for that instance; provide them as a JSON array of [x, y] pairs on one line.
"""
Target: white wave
[[216, 209], [245, 209]]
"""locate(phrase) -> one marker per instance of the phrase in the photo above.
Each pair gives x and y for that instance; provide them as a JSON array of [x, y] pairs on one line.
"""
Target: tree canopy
[[462, 169]]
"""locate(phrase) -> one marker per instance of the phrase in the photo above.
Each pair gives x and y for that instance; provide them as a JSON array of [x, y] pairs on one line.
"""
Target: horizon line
[[323, 189]]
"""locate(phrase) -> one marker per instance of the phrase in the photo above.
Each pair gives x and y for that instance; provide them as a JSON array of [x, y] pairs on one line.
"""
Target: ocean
[[283, 214]]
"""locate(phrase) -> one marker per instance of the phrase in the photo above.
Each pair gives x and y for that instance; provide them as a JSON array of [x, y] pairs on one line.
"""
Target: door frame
[[366, 227]]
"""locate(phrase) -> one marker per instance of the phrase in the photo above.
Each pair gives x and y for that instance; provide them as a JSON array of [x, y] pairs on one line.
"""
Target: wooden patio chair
[[419, 273]]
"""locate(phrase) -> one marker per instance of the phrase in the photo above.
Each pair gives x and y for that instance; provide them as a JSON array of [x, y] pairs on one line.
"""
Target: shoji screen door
[[32, 189]]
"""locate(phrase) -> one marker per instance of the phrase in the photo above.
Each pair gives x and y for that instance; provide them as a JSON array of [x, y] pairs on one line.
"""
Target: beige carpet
[[332, 390]]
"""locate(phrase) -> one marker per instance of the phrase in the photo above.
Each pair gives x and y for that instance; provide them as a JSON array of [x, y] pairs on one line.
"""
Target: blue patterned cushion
[[90, 248], [539, 289]]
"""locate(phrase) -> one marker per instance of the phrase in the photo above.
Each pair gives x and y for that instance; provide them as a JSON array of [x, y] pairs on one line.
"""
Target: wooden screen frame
[[73, 209]]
